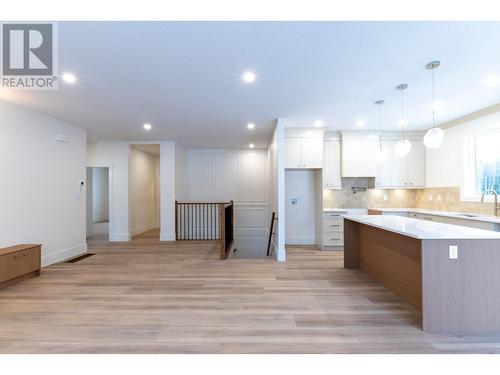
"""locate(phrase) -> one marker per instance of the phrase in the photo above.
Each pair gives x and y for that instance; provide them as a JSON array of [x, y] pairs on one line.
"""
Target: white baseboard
[[300, 240], [142, 229], [62, 255], [119, 237], [167, 236]]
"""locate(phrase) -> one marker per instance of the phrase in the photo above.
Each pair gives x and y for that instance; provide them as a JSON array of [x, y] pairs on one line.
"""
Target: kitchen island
[[449, 273]]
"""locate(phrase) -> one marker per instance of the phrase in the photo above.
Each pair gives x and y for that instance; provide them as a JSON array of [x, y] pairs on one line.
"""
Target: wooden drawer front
[[336, 224], [331, 238], [30, 260], [333, 215]]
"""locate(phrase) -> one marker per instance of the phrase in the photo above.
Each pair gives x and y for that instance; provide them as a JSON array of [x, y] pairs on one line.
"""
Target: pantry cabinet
[[304, 152], [331, 165]]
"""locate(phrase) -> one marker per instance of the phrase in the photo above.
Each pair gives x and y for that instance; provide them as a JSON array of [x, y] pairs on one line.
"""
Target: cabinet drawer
[[334, 224], [333, 215], [333, 238]]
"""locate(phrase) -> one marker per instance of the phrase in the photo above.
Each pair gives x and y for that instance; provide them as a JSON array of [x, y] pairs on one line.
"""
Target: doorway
[[98, 202]]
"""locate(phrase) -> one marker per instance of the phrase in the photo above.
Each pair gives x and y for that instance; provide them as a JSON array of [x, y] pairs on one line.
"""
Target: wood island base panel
[[453, 294]]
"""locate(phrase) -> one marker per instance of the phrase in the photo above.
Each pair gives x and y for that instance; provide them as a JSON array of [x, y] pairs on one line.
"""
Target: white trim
[[167, 236], [119, 237], [62, 255]]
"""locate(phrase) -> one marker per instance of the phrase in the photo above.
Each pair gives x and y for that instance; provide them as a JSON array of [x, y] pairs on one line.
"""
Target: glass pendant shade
[[433, 138], [402, 148]]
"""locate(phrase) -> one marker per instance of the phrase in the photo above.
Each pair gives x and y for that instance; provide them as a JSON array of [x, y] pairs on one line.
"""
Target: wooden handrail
[[206, 221]]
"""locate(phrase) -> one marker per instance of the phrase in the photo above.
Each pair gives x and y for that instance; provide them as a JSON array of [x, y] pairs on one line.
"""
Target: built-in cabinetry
[[452, 220], [401, 172], [19, 262], [331, 164], [358, 154], [333, 229], [304, 151]]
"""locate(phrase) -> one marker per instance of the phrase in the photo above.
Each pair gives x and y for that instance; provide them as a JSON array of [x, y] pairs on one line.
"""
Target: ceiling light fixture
[[248, 77], [251, 145], [380, 154], [318, 123], [360, 123], [403, 146], [434, 136], [250, 125], [147, 126], [69, 78]]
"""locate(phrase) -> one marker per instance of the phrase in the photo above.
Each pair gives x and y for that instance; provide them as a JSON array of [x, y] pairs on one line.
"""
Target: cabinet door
[[358, 158], [415, 165], [335, 178], [399, 175], [384, 167], [312, 152], [293, 153]]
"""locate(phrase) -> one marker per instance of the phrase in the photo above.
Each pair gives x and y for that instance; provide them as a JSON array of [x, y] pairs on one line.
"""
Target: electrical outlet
[[453, 252], [439, 197], [386, 198], [430, 197]]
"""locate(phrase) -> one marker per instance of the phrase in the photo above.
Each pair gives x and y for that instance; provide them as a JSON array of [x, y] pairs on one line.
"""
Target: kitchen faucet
[[496, 207]]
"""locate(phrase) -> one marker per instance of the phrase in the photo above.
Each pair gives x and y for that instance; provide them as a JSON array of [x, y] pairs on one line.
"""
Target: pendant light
[[380, 154], [434, 136], [403, 146]]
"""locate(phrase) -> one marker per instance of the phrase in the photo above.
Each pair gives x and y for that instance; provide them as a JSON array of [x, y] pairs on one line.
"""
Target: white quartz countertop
[[457, 215], [422, 229]]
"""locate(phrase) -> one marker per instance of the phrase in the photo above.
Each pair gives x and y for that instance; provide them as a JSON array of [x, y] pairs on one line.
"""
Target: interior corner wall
[[100, 194], [115, 155], [142, 186], [167, 191], [276, 160], [40, 197], [180, 173]]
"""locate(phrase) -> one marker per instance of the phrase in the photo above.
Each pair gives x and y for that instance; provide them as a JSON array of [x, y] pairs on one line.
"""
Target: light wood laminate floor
[[150, 297]]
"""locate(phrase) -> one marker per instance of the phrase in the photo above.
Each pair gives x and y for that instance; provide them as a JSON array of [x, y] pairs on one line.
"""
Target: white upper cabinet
[[304, 152], [405, 172], [358, 155], [293, 153], [331, 165]]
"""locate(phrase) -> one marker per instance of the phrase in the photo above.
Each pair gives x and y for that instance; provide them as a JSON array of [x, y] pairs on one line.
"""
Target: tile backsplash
[[440, 199]]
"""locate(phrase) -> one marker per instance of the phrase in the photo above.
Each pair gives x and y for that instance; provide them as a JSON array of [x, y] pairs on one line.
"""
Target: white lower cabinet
[[333, 229]]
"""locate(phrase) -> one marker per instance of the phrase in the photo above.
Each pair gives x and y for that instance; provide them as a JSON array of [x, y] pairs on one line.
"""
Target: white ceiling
[[184, 78]]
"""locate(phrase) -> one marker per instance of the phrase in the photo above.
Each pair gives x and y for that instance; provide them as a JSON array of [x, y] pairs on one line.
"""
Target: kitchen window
[[482, 169]]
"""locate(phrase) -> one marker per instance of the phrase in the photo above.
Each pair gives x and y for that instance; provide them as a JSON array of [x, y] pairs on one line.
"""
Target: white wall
[[225, 175], [167, 187], [40, 200], [115, 155], [181, 192], [300, 218], [100, 194], [142, 186], [445, 167], [89, 202]]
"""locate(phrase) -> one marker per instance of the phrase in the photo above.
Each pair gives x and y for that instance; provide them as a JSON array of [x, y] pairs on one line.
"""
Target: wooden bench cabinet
[[19, 263]]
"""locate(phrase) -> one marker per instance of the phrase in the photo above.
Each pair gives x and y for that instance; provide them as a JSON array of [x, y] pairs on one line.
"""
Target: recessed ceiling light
[[69, 78], [250, 125], [493, 80], [248, 77], [251, 145], [360, 123], [318, 123], [147, 126]]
